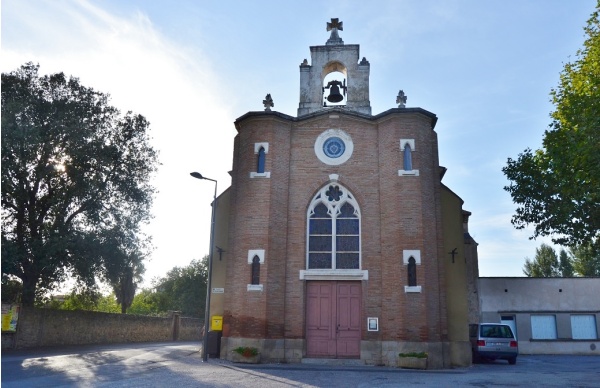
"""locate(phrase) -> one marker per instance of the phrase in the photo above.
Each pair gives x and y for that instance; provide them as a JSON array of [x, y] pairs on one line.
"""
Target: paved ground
[[180, 365]]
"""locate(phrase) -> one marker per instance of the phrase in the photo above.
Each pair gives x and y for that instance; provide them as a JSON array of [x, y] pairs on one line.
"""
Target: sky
[[485, 68]]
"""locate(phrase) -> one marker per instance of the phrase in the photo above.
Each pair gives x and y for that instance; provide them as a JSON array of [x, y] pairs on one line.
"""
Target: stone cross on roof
[[401, 99], [335, 23], [334, 26], [268, 102]]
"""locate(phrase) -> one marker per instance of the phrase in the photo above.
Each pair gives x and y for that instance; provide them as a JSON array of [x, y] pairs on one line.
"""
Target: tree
[[11, 290], [544, 265], [565, 265], [84, 299], [586, 260], [124, 288], [145, 302], [184, 289], [557, 188], [75, 180], [126, 272]]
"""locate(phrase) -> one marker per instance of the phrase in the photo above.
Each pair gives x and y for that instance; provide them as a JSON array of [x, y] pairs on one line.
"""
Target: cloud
[[175, 87]]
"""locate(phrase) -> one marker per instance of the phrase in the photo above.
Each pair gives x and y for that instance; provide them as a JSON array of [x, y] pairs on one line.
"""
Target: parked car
[[493, 341]]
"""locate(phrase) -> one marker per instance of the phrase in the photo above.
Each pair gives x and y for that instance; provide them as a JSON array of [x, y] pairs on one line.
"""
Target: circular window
[[334, 147]]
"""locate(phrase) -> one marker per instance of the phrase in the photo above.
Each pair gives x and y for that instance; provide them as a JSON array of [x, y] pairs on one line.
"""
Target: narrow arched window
[[407, 157], [255, 270], [412, 272], [260, 165]]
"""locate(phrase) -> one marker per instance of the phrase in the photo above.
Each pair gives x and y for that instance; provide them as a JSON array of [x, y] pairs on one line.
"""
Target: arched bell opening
[[334, 84]]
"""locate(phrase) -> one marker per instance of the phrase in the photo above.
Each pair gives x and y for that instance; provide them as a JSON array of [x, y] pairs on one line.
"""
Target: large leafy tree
[[75, 181], [557, 188]]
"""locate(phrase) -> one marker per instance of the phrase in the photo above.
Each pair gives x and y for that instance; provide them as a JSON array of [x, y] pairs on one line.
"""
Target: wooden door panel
[[348, 317], [320, 336], [333, 316]]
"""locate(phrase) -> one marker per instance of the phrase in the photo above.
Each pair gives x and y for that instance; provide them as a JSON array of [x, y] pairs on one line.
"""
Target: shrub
[[246, 351], [413, 354]]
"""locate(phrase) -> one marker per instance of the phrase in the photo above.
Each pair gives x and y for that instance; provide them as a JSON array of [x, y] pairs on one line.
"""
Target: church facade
[[338, 238]]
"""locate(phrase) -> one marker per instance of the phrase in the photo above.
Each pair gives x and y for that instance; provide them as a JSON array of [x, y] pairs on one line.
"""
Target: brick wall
[[398, 213]]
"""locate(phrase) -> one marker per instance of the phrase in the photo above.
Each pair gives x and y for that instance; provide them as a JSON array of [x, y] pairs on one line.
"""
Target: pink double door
[[333, 316]]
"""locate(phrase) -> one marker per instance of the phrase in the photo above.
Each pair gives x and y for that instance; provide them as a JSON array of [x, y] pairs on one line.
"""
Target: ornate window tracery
[[333, 230]]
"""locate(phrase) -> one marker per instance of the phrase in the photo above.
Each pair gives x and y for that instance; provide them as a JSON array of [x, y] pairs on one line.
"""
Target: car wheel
[[512, 360]]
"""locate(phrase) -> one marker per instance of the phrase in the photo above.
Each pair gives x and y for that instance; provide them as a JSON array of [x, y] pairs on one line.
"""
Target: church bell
[[334, 91]]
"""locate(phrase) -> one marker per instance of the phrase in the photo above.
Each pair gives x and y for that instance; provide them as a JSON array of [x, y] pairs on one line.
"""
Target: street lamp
[[197, 175]]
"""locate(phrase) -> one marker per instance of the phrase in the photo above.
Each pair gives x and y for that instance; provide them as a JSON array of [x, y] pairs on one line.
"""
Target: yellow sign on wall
[[10, 317]]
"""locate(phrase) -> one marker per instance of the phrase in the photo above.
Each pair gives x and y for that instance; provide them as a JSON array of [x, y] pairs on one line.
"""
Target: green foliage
[[125, 283], [545, 264], [565, 265], [586, 259], [75, 182], [413, 354], [85, 299], [183, 289], [145, 302], [108, 304], [11, 290], [583, 260], [246, 351], [557, 188]]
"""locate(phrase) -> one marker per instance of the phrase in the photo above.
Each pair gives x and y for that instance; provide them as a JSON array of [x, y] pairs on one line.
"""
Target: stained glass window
[[333, 230]]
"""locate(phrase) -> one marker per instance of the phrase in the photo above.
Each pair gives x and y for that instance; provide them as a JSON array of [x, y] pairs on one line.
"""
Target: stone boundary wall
[[45, 327]]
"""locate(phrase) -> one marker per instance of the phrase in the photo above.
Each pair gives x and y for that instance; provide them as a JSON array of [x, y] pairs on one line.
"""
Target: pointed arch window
[[333, 230], [260, 150], [407, 158], [407, 148], [255, 270], [412, 272], [412, 260], [256, 257], [260, 164]]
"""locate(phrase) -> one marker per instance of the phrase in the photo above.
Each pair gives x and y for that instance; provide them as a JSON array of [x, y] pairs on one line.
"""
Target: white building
[[550, 315]]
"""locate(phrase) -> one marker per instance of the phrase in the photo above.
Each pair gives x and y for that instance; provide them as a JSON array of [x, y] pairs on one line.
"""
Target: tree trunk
[[29, 288]]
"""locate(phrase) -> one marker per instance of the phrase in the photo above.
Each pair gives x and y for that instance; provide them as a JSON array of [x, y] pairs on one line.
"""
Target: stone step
[[333, 361]]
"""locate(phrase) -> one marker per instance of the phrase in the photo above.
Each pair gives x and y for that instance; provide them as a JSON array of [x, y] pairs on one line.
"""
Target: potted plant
[[246, 354], [412, 360]]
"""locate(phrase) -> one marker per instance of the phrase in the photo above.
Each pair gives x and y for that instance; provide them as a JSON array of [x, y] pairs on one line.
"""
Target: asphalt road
[[179, 364]]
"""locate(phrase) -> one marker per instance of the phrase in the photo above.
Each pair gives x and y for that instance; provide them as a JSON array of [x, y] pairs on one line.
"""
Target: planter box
[[412, 362], [236, 357]]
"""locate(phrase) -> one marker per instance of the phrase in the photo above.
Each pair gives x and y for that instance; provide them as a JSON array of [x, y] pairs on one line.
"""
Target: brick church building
[[337, 238]]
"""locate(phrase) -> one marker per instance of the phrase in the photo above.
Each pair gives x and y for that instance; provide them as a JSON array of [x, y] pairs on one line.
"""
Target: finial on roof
[[401, 99], [268, 103], [334, 26]]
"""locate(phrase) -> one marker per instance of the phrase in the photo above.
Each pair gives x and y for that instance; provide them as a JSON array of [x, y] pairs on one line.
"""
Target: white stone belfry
[[335, 56]]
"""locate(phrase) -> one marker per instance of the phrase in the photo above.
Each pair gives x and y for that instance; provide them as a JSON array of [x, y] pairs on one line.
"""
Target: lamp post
[[197, 175]]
